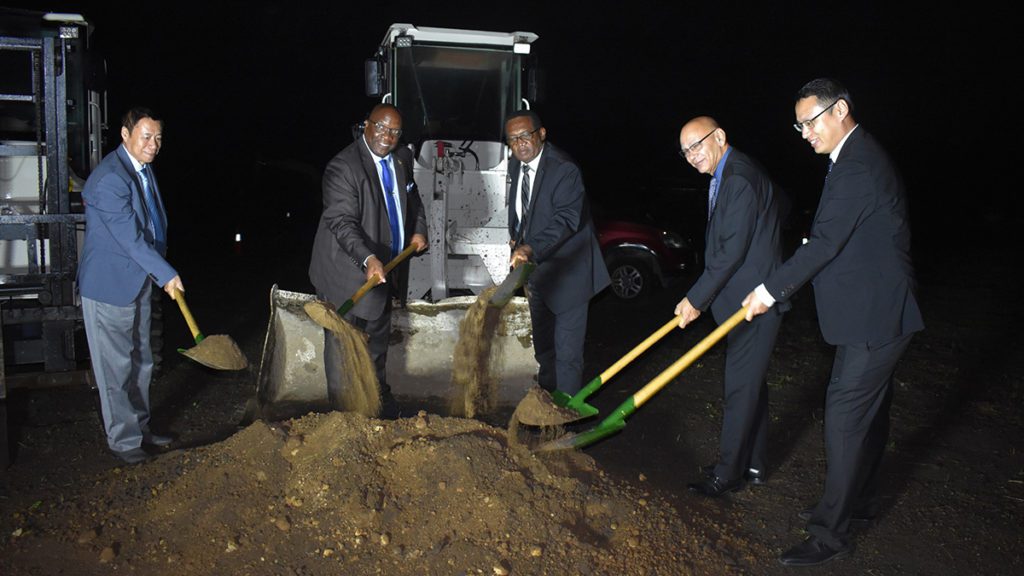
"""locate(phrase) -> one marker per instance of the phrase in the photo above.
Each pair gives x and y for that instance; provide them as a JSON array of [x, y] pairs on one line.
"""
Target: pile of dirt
[[340, 493]]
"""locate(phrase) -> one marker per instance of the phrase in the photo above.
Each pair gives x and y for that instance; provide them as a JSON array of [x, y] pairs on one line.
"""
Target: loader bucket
[[291, 379]]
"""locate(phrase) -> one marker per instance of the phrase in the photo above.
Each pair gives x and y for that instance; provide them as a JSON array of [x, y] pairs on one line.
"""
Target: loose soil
[[476, 363], [219, 352], [340, 493]]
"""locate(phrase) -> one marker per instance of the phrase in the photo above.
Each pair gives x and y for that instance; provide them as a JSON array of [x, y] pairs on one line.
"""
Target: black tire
[[632, 279]]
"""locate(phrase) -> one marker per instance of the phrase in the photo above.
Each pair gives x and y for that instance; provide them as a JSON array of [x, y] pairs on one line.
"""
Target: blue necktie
[[712, 197], [155, 217], [392, 208]]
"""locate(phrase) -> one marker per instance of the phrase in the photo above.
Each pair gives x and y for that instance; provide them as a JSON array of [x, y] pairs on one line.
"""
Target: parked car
[[641, 257]]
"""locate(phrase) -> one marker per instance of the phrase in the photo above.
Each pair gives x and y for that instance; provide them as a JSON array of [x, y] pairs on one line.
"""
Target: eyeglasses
[[693, 148], [381, 128], [809, 124], [524, 137]]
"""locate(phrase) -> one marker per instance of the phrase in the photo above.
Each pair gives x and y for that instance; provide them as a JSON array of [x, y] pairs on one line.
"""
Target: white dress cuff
[[764, 296]]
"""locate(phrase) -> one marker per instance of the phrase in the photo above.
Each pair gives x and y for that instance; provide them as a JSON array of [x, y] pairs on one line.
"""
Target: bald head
[[703, 143]]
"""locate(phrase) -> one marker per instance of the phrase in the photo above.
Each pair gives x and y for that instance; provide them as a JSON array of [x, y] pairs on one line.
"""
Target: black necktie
[[526, 188]]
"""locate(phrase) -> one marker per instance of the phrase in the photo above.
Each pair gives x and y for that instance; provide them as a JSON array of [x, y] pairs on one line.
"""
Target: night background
[[258, 96]]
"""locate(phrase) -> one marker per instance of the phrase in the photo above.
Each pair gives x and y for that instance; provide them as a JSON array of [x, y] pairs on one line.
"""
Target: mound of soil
[[340, 493]]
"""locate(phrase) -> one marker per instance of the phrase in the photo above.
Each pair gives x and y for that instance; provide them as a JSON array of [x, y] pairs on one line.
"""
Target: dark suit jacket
[[119, 251], [743, 238], [859, 251], [354, 225], [570, 268]]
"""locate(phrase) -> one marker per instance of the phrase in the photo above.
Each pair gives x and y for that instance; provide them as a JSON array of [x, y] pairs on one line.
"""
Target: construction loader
[[454, 88]]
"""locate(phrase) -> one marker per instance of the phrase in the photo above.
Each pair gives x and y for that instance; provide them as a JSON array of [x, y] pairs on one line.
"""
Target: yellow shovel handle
[[697, 351], [387, 268], [179, 297], [639, 349]]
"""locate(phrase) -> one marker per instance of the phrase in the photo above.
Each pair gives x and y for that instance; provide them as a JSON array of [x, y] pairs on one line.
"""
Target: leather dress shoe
[[857, 519], [752, 475], [157, 440], [812, 552], [714, 486], [133, 456]]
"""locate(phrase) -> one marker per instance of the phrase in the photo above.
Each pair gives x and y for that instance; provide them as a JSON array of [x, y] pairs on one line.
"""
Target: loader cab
[[455, 88]]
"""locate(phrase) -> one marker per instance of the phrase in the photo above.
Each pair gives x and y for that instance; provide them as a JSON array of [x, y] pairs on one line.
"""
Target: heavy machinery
[[454, 88], [51, 117]]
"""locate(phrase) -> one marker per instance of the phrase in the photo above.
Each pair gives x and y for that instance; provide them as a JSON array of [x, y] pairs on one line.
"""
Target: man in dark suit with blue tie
[[123, 256], [858, 258], [550, 225], [745, 212], [372, 210]]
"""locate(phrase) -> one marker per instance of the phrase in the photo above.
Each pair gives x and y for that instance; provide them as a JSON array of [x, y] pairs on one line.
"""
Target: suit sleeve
[[111, 201], [567, 208], [343, 208], [845, 203], [735, 223]]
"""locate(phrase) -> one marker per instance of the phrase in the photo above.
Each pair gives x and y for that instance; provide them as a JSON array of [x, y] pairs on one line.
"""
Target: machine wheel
[[631, 278]]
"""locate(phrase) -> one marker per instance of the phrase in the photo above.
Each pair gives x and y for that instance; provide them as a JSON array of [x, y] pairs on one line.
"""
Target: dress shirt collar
[[835, 152], [376, 159], [533, 164], [139, 166], [721, 164]]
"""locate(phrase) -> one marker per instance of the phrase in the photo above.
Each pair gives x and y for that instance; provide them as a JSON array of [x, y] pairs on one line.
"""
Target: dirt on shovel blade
[[219, 352], [538, 409]]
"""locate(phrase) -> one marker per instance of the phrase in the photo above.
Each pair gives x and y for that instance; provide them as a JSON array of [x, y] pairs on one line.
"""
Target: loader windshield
[[455, 93]]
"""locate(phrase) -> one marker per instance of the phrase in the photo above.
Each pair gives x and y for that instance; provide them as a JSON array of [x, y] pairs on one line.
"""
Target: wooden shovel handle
[[639, 349], [693, 354], [179, 297], [387, 268]]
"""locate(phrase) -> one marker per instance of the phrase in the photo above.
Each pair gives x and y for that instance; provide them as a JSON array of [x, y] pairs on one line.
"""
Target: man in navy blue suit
[[549, 223], [745, 212], [858, 258], [123, 256]]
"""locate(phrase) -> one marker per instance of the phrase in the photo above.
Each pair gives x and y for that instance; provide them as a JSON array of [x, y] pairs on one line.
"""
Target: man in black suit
[[858, 258], [550, 225], [372, 210], [743, 245]]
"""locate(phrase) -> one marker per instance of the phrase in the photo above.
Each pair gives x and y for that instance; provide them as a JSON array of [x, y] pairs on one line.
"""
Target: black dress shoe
[[812, 552], [752, 475], [133, 456], [157, 440], [714, 486], [857, 519]]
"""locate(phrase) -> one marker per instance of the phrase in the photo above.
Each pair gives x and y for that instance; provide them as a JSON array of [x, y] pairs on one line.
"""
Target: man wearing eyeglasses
[[745, 211], [858, 257], [550, 225], [372, 211]]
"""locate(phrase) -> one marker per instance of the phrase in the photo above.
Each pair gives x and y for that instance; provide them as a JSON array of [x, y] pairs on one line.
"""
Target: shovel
[[218, 351], [617, 420], [514, 281], [539, 409], [323, 314]]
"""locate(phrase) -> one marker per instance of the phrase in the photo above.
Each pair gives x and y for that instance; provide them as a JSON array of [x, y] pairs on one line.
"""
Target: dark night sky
[[245, 82]]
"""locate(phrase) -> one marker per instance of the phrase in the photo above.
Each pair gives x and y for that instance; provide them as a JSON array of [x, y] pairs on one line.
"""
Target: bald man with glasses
[[745, 212]]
